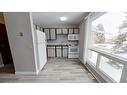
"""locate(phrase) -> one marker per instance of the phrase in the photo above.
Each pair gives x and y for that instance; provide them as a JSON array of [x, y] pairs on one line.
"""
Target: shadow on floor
[[7, 69]]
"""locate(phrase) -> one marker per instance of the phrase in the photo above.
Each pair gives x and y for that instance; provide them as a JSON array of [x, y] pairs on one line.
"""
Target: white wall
[[83, 41], [22, 47]]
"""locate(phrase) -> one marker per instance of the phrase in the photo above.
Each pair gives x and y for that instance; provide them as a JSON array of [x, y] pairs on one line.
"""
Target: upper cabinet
[[73, 31], [70, 31], [59, 31], [52, 34], [64, 31], [76, 31]]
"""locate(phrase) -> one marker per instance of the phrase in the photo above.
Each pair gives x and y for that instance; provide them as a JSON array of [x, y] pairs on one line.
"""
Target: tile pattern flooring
[[55, 71]]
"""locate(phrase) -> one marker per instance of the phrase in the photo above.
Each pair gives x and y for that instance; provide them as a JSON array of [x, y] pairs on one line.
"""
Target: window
[[108, 43], [109, 32], [111, 68]]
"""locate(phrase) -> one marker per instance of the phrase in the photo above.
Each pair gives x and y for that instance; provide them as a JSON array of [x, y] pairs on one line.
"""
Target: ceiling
[[43, 18]]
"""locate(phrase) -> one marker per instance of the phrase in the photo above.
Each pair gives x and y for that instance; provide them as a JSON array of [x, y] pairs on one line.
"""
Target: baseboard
[[26, 73], [37, 72], [82, 61]]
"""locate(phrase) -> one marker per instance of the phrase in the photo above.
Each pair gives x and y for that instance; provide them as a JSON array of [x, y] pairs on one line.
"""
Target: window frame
[[123, 61]]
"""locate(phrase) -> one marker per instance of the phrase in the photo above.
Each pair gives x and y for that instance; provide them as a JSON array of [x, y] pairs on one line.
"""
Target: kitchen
[[65, 43], [62, 35]]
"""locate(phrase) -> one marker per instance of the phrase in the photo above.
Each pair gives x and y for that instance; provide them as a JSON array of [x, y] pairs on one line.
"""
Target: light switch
[[21, 34]]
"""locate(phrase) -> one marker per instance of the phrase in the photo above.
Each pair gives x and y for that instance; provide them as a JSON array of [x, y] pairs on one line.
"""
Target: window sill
[[110, 55]]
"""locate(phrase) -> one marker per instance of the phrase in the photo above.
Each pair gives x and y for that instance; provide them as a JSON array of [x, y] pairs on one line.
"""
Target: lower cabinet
[[57, 51], [65, 51], [51, 51]]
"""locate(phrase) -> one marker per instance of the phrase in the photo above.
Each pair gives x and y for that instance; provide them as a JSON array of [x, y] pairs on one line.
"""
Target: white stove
[[73, 51]]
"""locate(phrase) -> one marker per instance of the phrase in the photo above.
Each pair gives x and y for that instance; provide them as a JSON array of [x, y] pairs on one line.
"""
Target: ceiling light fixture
[[63, 18]]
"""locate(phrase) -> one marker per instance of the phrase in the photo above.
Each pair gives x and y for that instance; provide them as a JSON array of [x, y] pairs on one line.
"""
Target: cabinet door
[[59, 31], [47, 33], [76, 31], [65, 51], [70, 31], [53, 34], [58, 51], [64, 31], [51, 51]]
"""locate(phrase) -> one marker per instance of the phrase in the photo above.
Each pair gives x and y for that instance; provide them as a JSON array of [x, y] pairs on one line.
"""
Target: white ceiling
[[43, 18]]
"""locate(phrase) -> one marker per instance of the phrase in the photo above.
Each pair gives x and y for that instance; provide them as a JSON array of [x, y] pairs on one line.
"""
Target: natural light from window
[[109, 32]]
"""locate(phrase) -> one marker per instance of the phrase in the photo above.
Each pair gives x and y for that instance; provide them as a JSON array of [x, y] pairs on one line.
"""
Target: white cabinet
[[64, 31], [53, 34], [58, 51], [47, 33], [51, 51], [76, 31], [65, 51], [59, 31], [70, 31]]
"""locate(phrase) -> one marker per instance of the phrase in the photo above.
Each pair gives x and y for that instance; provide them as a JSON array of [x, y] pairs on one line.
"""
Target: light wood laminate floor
[[57, 70]]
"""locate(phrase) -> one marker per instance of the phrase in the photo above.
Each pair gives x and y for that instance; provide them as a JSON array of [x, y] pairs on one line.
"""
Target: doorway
[[5, 52]]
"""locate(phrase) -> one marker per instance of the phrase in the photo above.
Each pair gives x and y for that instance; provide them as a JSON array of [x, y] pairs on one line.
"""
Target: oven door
[[73, 49]]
